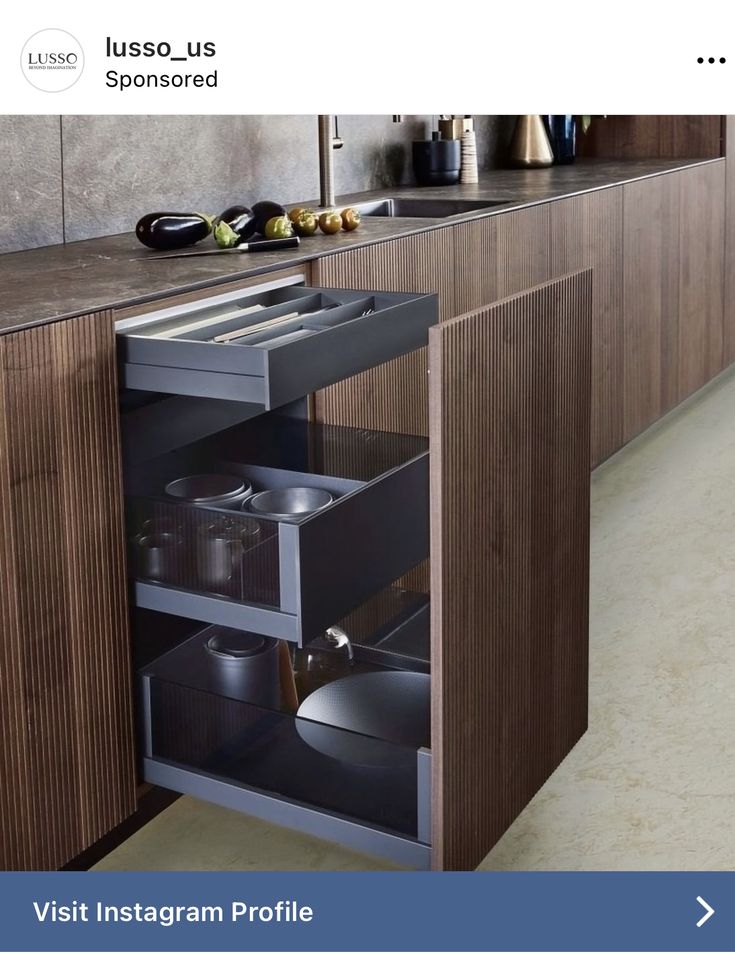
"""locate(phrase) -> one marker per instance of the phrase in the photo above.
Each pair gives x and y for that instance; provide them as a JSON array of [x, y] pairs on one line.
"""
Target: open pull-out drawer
[[273, 759], [286, 579], [269, 344]]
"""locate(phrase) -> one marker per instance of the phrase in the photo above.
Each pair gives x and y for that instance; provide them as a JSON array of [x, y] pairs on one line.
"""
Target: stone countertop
[[47, 284]]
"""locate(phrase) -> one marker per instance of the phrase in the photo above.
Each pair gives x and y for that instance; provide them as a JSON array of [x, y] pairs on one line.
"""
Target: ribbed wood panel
[[509, 431], [392, 397], [476, 274], [66, 757], [587, 232], [729, 316], [701, 275], [523, 257], [631, 136], [650, 301]]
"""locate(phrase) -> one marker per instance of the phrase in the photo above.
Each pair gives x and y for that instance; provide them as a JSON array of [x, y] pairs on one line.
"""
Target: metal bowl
[[289, 505], [209, 489]]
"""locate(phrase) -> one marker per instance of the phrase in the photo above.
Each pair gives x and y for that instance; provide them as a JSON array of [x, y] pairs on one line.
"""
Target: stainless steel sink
[[419, 207]]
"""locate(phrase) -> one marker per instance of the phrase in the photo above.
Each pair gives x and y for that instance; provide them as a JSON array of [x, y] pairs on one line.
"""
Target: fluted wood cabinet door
[[509, 253], [701, 275], [499, 256], [391, 397], [650, 382], [586, 231], [66, 750], [509, 391]]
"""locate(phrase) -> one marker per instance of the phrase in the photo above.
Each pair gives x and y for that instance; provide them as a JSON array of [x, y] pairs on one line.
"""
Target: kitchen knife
[[274, 245]]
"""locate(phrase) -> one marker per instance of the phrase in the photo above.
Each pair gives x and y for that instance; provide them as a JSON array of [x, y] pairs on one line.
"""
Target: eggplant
[[233, 226], [263, 211], [166, 230]]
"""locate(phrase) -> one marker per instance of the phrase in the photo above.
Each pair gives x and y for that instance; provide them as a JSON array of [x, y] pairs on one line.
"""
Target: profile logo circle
[[52, 60]]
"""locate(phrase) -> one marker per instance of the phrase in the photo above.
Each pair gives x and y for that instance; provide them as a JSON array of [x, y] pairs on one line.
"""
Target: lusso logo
[[52, 60]]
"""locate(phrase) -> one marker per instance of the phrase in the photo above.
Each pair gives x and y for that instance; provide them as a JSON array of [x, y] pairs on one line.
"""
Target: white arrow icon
[[710, 911]]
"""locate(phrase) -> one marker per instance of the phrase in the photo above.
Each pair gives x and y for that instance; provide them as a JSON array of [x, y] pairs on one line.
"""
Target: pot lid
[[233, 644]]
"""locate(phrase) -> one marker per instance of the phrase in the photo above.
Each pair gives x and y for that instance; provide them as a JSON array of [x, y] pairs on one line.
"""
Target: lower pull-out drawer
[[276, 761], [286, 579], [271, 343]]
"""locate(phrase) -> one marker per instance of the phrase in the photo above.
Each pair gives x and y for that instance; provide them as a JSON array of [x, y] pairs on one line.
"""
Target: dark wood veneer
[[509, 430], [650, 386], [634, 136], [67, 771], [729, 310], [701, 276], [587, 232]]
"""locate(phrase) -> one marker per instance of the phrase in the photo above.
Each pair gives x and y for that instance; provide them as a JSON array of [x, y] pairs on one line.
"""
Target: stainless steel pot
[[220, 549], [157, 555]]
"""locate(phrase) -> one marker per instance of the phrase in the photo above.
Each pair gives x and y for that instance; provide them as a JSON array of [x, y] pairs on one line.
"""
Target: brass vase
[[530, 146]]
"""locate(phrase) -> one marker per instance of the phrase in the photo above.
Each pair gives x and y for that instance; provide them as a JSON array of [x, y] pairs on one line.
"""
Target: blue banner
[[367, 911]]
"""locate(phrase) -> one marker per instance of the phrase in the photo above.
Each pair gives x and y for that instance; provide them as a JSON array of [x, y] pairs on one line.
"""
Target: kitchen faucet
[[327, 143]]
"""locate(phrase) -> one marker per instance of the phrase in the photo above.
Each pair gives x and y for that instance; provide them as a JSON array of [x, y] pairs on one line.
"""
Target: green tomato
[[278, 228], [306, 223], [330, 222]]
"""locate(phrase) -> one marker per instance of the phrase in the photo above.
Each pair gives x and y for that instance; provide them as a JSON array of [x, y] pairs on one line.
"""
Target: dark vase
[[562, 130]]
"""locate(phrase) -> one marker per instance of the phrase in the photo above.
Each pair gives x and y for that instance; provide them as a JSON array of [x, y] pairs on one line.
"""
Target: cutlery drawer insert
[[276, 757], [271, 343], [245, 568]]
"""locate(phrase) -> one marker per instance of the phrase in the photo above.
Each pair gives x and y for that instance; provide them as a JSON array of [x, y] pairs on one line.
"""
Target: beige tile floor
[[651, 786]]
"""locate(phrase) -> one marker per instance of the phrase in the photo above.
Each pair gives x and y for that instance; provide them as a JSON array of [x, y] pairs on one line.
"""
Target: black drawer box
[[289, 580], [334, 333], [264, 760]]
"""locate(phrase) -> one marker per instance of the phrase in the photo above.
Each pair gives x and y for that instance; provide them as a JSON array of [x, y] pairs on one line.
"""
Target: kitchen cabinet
[[701, 275], [675, 336], [729, 305], [67, 772], [475, 253], [507, 516], [509, 440], [500, 410], [500, 256], [587, 231], [651, 256], [523, 257], [659, 327], [637, 136]]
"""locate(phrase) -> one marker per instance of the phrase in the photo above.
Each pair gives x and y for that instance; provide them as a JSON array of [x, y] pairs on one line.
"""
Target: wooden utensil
[[203, 323], [253, 329]]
